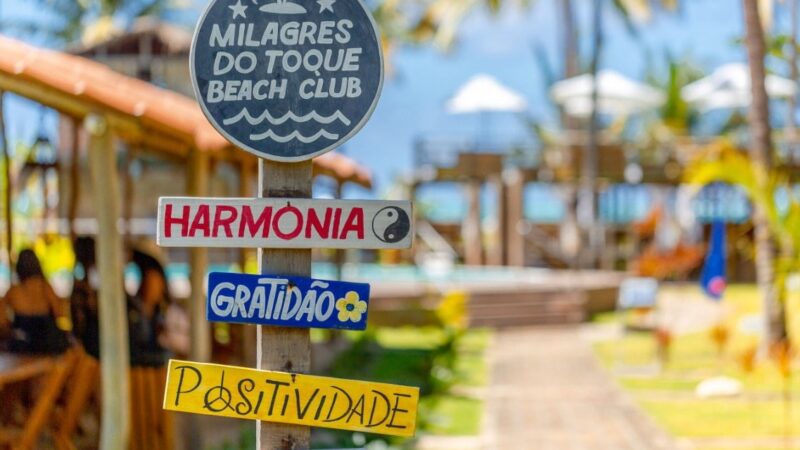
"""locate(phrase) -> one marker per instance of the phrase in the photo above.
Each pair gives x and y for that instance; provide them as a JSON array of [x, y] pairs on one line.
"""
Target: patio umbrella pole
[[284, 349]]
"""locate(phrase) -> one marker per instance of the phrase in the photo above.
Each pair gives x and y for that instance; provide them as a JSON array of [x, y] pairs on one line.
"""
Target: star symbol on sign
[[238, 9], [326, 4]]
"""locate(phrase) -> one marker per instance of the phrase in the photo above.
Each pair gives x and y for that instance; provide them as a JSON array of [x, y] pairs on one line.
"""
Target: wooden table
[[55, 370]]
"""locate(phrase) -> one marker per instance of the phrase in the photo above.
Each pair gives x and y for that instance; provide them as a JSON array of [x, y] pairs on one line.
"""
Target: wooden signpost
[[287, 80], [241, 393], [287, 301]]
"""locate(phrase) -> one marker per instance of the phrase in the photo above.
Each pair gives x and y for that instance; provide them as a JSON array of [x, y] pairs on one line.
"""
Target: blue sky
[[502, 46]]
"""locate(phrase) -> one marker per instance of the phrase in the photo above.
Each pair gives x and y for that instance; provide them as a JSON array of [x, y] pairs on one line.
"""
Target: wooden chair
[[83, 385], [55, 379], [152, 428]]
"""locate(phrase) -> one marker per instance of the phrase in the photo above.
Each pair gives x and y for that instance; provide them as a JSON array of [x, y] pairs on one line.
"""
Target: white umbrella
[[616, 95], [483, 93], [729, 87]]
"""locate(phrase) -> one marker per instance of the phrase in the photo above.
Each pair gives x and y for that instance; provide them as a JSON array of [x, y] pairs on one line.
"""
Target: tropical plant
[[721, 162], [72, 21]]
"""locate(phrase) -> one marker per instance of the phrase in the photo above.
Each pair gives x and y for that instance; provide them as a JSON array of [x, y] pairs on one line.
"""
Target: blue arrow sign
[[287, 301]]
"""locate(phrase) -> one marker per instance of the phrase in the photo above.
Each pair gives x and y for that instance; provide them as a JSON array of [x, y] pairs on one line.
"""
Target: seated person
[[146, 311], [36, 310], [83, 301]]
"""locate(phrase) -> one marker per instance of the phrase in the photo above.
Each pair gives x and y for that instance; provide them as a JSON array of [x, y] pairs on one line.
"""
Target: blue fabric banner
[[713, 278]]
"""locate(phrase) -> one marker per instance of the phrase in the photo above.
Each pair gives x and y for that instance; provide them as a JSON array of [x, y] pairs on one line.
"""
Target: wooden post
[[114, 355], [197, 186], [284, 349], [515, 241], [128, 196], [471, 231], [495, 254], [9, 185], [74, 179], [198, 262]]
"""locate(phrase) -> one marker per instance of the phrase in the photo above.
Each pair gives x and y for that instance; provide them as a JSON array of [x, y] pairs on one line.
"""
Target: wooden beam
[[284, 349], [127, 127], [70, 105], [114, 351]]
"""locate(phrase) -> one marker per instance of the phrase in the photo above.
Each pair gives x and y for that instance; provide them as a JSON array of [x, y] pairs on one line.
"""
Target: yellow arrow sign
[[217, 390]]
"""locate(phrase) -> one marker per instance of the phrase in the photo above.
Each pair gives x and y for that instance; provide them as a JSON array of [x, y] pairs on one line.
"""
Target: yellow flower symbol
[[351, 307]]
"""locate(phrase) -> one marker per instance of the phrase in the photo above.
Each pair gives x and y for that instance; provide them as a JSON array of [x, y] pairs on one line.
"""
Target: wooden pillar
[[495, 254], [284, 349], [471, 229], [198, 261], [114, 354], [570, 231], [74, 179], [515, 217], [197, 186], [9, 187], [128, 196]]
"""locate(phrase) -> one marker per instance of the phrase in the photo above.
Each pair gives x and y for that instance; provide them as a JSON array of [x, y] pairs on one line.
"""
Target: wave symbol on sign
[[269, 134], [266, 115]]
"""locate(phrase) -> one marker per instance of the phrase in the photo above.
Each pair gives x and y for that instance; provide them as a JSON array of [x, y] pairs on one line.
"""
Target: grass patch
[[720, 418], [668, 396], [452, 415]]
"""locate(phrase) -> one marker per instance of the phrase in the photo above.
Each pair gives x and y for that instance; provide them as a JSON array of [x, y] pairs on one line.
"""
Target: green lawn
[[721, 418], [668, 396]]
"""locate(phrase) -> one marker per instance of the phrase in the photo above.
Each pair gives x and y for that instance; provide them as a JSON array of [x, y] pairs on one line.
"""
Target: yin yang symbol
[[391, 225]]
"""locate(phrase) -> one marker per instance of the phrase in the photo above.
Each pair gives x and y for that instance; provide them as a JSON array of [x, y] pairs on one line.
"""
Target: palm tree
[[793, 69], [761, 154], [723, 163]]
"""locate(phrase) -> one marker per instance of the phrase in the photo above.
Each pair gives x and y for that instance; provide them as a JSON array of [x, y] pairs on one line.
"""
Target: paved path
[[548, 393]]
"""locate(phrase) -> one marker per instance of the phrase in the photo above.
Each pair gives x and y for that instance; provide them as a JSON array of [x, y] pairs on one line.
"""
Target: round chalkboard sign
[[287, 80]]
